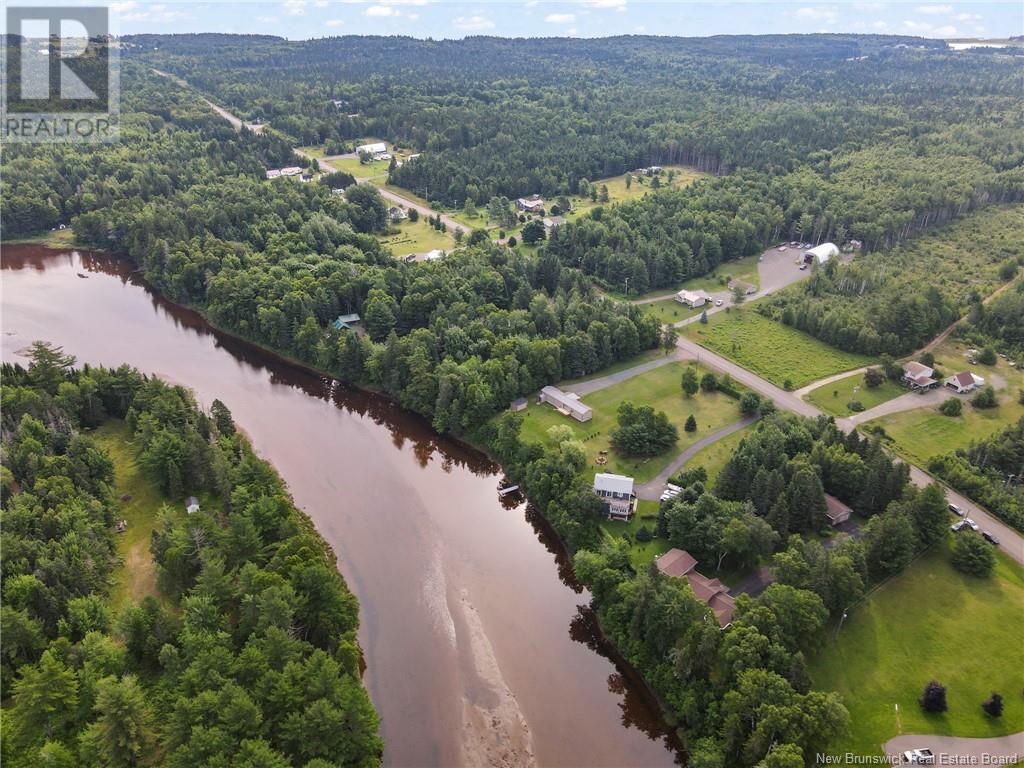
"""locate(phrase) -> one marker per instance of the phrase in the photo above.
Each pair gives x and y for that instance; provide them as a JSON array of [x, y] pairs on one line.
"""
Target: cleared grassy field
[[669, 311], [744, 269], [930, 623], [659, 388], [683, 176], [773, 350], [373, 170], [833, 398], [920, 434], [417, 237], [714, 457], [136, 576], [640, 554]]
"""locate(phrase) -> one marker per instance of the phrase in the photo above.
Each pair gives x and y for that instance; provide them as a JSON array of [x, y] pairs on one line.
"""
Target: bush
[[642, 432], [643, 534], [987, 356], [855, 405], [973, 555], [952, 407], [688, 477], [993, 705], [767, 408], [691, 424], [709, 382], [986, 398], [512, 243], [934, 697], [873, 377], [787, 385], [750, 403], [928, 359]]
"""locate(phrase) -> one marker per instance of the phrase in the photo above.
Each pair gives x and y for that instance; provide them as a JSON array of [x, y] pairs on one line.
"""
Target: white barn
[[821, 253], [377, 150]]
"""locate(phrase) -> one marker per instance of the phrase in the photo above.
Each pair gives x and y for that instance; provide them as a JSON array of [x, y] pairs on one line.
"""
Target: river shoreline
[[514, 725]]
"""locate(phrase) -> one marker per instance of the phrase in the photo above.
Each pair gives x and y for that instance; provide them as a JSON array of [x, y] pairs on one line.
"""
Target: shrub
[[750, 403], [934, 697], [873, 377], [709, 382], [691, 424], [952, 407], [928, 359], [688, 477], [787, 385], [986, 398], [512, 243], [767, 408], [987, 356], [855, 405], [993, 705], [643, 534], [973, 555]]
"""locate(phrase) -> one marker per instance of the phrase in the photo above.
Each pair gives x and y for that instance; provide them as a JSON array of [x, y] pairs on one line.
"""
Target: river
[[480, 648]]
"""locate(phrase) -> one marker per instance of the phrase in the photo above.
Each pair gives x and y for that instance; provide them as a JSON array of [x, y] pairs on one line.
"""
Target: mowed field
[[659, 388], [834, 398], [714, 457], [775, 351], [669, 311], [923, 433], [416, 237], [141, 503], [929, 623]]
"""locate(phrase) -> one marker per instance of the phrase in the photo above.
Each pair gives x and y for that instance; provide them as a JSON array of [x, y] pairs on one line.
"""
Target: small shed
[[836, 511], [191, 505], [519, 404], [345, 322]]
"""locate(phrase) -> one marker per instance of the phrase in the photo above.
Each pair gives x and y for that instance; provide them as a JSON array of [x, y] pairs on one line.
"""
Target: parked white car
[[919, 757]]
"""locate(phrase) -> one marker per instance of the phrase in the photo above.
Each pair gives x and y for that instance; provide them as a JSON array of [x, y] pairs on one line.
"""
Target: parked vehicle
[[956, 510], [719, 303], [803, 267], [990, 538], [965, 523], [922, 756]]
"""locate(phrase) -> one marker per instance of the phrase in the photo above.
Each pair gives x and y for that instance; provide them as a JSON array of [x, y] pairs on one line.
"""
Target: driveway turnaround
[[957, 750]]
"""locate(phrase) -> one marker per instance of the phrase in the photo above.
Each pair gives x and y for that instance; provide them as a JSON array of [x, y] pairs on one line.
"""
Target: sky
[[303, 19]]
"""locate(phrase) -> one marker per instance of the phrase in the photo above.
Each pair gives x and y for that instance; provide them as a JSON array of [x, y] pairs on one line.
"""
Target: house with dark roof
[[678, 563], [616, 491], [345, 322]]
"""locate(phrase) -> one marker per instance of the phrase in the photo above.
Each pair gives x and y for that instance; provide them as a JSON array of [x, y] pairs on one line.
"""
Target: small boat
[[84, 277], [506, 491]]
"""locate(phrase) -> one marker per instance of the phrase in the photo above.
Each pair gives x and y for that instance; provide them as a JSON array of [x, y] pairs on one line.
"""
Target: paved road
[[958, 750], [1012, 542], [908, 401], [652, 489]]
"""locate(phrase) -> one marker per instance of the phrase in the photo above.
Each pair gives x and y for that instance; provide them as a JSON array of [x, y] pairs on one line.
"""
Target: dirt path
[[652, 489]]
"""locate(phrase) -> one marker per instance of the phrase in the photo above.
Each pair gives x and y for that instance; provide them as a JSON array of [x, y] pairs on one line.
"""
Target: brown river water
[[480, 648]]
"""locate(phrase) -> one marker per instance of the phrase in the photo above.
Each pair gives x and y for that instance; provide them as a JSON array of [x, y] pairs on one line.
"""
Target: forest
[[249, 657], [869, 137], [740, 693]]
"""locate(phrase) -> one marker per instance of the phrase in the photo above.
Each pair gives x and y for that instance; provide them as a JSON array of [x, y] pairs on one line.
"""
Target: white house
[[566, 403], [531, 204], [821, 253], [551, 223], [965, 382], [616, 491], [376, 150], [918, 376], [692, 299], [273, 173]]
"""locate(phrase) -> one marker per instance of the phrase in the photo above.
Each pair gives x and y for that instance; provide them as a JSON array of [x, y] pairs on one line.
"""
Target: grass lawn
[[640, 554], [714, 457], [659, 388], [922, 433], [929, 623], [136, 577], [59, 238], [669, 311], [771, 349], [315, 151], [403, 192], [416, 237], [618, 193], [373, 170], [833, 397]]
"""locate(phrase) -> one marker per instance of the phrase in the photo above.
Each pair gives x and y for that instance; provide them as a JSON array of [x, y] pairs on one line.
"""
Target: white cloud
[[968, 17], [917, 26], [130, 10], [320, 3], [947, 31], [560, 18], [335, 23], [925, 29], [619, 5], [266, 19], [934, 10], [880, 25], [817, 13], [867, 7], [121, 7], [472, 23], [381, 10], [532, 3], [404, 2], [294, 7]]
